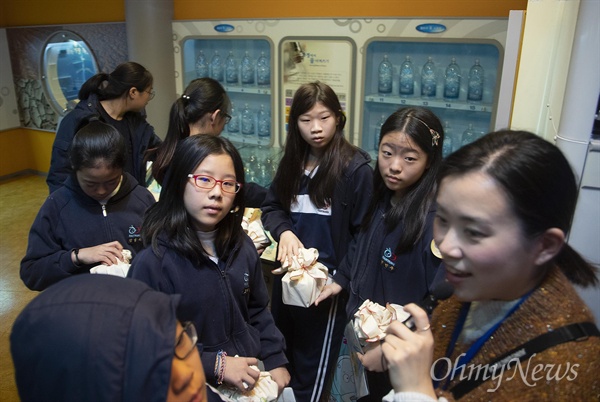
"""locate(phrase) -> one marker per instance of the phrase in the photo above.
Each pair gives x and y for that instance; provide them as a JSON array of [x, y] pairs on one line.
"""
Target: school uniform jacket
[[140, 138], [350, 203], [70, 219], [227, 302]]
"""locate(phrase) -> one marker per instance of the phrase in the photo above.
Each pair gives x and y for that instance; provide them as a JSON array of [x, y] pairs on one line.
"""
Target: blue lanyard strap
[[478, 344]]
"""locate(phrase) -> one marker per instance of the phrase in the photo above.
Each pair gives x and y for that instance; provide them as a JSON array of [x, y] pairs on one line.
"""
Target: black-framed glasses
[[208, 182], [186, 341], [152, 93], [227, 117]]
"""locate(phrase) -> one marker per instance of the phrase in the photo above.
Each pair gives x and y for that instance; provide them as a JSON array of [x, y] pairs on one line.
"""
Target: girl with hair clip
[[394, 259], [202, 109], [119, 98], [515, 328], [318, 198], [195, 246], [90, 219]]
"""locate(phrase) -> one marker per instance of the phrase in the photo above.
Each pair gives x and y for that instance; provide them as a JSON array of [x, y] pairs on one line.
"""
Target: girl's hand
[[282, 377], [239, 373], [328, 291], [373, 359], [289, 245], [409, 354], [104, 254]]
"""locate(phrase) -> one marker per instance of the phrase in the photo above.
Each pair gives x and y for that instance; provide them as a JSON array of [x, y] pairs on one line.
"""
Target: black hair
[[114, 85], [422, 126], [169, 215], [538, 182], [201, 97], [336, 157], [97, 140]]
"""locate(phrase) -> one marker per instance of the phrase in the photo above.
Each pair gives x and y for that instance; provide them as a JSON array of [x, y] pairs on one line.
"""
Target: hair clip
[[186, 97], [435, 136]]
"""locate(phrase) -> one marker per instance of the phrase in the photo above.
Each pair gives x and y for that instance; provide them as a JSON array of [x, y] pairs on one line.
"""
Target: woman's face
[[317, 127], [207, 207], [140, 99], [401, 162], [188, 383], [99, 181], [486, 254]]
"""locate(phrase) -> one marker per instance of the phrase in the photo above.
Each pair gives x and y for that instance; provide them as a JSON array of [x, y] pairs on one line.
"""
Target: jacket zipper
[[104, 210]]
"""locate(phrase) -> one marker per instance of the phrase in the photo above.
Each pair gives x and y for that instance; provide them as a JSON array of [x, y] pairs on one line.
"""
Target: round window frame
[[49, 69]]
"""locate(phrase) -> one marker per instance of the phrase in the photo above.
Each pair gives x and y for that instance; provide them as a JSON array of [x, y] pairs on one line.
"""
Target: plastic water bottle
[[231, 69], [201, 65], [447, 148], [475, 92], [247, 121], [247, 70], [263, 70], [428, 79], [385, 76], [468, 136], [264, 122], [234, 124], [216, 67], [377, 132], [452, 80], [407, 78]]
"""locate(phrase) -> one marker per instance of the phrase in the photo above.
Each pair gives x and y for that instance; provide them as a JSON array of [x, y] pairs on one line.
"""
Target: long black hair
[[114, 85], [539, 183], [336, 157], [169, 215], [97, 140], [422, 126]]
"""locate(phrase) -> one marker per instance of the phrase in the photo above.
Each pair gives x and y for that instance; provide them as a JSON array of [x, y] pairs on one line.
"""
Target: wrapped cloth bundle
[[252, 225], [372, 319], [119, 269], [265, 390], [304, 280]]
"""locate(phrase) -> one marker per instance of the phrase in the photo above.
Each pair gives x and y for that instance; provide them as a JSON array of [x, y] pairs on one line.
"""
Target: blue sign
[[224, 28], [431, 28]]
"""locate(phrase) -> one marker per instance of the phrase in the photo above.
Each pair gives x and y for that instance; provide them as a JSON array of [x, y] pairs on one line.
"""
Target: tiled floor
[[20, 200]]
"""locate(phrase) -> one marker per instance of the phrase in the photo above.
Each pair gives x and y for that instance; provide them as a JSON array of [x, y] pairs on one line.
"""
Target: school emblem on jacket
[[388, 259], [134, 234]]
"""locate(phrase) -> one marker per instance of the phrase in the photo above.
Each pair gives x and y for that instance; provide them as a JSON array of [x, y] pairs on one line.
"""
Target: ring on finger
[[426, 328]]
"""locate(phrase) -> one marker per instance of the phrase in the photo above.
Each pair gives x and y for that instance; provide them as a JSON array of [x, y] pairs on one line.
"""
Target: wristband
[[77, 261]]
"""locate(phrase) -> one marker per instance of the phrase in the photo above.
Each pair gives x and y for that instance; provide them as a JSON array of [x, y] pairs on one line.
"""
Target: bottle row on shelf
[[250, 122], [407, 80], [249, 71]]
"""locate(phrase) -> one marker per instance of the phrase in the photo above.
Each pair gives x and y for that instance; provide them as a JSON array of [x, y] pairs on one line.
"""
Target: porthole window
[[67, 63]]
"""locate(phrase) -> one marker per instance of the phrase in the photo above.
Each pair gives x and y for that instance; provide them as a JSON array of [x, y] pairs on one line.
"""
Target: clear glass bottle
[[452, 80], [468, 136], [264, 122], [447, 148], [247, 69], [216, 67], [231, 69], [385, 76], [201, 65], [247, 121], [263, 70], [233, 126], [377, 132], [407, 78], [428, 79], [476, 74]]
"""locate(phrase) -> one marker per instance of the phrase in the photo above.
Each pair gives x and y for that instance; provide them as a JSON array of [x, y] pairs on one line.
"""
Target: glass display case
[[458, 81]]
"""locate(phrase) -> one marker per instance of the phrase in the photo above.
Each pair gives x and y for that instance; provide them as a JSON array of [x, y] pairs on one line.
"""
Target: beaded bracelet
[[219, 370]]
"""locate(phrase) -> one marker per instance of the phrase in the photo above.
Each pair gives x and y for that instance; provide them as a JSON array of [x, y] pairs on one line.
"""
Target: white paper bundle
[[372, 319], [265, 390], [119, 269]]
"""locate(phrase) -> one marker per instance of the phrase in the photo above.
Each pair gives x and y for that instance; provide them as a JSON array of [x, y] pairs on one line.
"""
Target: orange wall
[[25, 149]]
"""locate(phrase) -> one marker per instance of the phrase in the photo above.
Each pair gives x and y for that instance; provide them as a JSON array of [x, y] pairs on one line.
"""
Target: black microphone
[[439, 291]]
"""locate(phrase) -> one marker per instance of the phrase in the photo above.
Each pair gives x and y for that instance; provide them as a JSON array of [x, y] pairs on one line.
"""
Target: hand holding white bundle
[[119, 269], [304, 280], [372, 320], [264, 390]]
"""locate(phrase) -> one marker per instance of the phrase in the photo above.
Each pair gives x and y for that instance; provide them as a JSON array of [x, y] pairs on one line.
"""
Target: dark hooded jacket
[[95, 338], [139, 137], [70, 219]]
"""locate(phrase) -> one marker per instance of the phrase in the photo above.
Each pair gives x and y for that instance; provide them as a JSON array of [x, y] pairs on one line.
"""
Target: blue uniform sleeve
[[274, 218], [60, 165]]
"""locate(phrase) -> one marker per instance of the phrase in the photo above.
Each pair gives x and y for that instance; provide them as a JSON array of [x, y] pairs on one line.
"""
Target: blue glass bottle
[[264, 122], [234, 124], [428, 79], [447, 148], [231, 69], [468, 136], [452, 80], [216, 67], [247, 121], [201, 65], [407, 78], [263, 70], [247, 70], [475, 91], [385, 76]]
